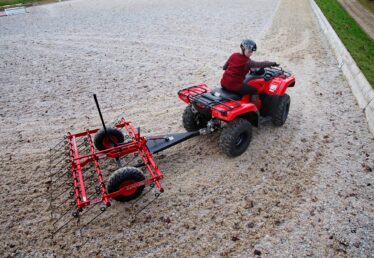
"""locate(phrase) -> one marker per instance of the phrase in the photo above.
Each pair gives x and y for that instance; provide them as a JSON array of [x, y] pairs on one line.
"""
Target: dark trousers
[[246, 89]]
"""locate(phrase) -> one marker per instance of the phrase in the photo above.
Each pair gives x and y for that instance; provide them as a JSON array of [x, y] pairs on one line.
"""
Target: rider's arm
[[253, 64]]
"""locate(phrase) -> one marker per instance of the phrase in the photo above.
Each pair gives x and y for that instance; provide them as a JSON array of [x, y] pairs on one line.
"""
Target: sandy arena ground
[[305, 189]]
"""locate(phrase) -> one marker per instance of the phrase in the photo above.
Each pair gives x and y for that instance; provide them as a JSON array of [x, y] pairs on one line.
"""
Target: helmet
[[248, 44]]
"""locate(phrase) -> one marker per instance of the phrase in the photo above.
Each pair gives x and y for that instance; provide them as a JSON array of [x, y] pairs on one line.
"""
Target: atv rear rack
[[197, 94]]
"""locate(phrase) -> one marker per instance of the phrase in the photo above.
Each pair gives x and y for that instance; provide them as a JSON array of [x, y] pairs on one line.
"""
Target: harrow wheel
[[124, 177], [103, 142], [236, 137]]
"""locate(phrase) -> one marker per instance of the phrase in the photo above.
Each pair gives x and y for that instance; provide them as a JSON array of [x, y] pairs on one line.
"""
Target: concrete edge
[[361, 88]]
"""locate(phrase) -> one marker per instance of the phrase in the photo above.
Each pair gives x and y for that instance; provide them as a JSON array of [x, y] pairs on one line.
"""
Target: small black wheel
[[102, 141], [281, 112], [193, 121], [236, 137], [123, 177]]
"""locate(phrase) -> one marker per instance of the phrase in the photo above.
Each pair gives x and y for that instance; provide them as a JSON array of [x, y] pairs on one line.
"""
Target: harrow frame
[[76, 158], [138, 144]]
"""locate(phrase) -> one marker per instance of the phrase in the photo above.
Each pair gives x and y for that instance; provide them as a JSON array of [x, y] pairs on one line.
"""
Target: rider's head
[[248, 46]]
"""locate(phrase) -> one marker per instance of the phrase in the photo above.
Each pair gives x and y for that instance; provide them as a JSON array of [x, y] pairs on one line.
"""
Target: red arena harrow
[[132, 180], [85, 186]]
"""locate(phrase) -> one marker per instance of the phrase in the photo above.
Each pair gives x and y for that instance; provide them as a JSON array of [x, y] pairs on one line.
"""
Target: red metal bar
[[97, 168], [132, 186], [144, 153], [132, 147], [74, 174], [79, 170], [85, 133]]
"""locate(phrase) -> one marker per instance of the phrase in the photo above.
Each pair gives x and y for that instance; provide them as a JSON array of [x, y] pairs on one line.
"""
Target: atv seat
[[225, 94]]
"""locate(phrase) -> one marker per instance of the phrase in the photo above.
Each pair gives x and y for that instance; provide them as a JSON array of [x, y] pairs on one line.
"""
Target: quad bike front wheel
[[281, 112], [103, 142], [124, 177], [236, 137], [192, 121]]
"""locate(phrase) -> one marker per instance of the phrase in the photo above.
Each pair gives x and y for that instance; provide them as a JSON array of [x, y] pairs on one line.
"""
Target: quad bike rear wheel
[[103, 142], [123, 177], [192, 121], [281, 112], [236, 137]]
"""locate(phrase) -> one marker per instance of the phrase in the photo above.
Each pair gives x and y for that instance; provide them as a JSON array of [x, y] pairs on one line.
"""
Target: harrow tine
[[67, 172], [102, 210], [63, 202], [63, 215], [85, 146], [56, 160], [61, 227], [88, 209], [66, 181], [57, 152], [88, 178], [58, 144], [60, 193], [144, 207], [67, 163], [129, 161], [92, 195], [92, 184], [83, 142], [151, 186]]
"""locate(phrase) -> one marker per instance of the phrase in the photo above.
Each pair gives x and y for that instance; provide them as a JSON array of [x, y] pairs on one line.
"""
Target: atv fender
[[246, 110], [279, 85]]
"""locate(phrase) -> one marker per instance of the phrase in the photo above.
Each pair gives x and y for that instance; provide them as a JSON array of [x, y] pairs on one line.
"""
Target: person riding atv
[[236, 68]]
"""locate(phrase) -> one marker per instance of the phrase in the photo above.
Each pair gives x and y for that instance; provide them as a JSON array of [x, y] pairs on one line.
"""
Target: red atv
[[212, 109]]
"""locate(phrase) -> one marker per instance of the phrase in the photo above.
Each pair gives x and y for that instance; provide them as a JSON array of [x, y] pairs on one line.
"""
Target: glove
[[276, 64]]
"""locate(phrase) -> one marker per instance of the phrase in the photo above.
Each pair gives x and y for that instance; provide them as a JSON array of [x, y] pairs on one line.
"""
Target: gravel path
[[304, 189]]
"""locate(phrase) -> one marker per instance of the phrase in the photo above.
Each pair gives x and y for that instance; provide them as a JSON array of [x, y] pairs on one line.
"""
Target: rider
[[236, 68]]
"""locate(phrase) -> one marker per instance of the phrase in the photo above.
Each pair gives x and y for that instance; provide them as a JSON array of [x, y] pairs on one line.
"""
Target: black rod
[[101, 116]]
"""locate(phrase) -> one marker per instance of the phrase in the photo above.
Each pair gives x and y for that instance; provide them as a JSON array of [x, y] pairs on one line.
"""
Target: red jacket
[[236, 68]]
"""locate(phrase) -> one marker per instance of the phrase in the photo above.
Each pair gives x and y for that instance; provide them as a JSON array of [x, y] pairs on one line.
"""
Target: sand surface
[[305, 189]]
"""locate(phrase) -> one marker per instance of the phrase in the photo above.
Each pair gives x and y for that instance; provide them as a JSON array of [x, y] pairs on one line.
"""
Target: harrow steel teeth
[[78, 184]]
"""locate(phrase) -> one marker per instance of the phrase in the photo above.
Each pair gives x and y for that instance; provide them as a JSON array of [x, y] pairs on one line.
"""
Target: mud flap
[[269, 104]]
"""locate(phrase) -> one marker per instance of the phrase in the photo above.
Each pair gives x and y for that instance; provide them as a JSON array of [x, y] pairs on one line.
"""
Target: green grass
[[359, 44], [10, 2]]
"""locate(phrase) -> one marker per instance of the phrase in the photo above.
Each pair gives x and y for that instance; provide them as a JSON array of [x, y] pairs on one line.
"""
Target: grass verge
[[12, 2], [359, 44]]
